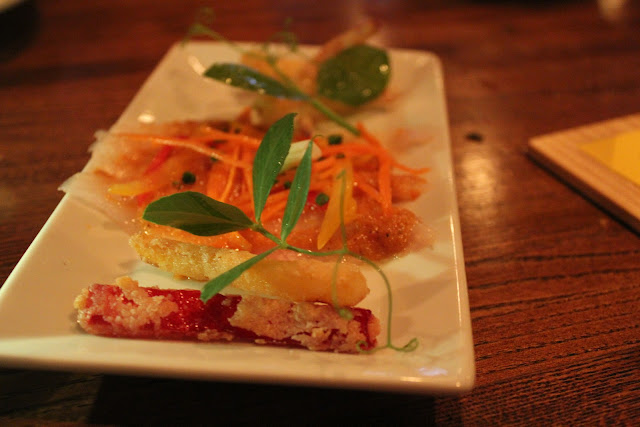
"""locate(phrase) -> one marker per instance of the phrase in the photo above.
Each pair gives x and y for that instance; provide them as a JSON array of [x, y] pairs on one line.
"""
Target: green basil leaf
[[298, 193], [243, 77], [354, 76], [269, 160], [217, 284], [197, 214]]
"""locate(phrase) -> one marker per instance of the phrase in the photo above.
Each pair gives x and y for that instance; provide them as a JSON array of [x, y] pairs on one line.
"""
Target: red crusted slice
[[129, 311]]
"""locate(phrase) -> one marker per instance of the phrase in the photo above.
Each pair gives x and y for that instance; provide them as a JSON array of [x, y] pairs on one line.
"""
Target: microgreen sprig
[[354, 76], [201, 215]]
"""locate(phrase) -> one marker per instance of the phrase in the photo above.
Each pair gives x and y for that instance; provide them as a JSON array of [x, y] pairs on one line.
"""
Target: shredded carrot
[[231, 177], [241, 138], [275, 207], [215, 180], [376, 142], [161, 156], [414, 171], [158, 160], [322, 186], [368, 136], [385, 162], [384, 185], [323, 163], [362, 184], [194, 145], [248, 184], [280, 195], [244, 205], [354, 149]]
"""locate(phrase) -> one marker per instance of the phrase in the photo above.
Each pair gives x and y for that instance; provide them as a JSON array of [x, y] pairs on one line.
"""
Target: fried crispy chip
[[302, 279]]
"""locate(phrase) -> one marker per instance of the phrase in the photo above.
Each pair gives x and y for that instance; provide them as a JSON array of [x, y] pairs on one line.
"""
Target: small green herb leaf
[[285, 36], [197, 214], [354, 76], [322, 199], [220, 282], [243, 77], [298, 194], [269, 160]]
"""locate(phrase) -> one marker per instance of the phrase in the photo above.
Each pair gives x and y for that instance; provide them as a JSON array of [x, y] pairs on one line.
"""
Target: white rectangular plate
[[79, 246]]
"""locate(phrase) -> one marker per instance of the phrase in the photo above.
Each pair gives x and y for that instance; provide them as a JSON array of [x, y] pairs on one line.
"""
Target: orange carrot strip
[[322, 164], [161, 156], [385, 161], [231, 177], [384, 184], [411, 170], [244, 207], [369, 137], [329, 173], [355, 149], [158, 160], [248, 182], [243, 196], [186, 143], [362, 184], [273, 209], [217, 172], [279, 195], [212, 133], [324, 185]]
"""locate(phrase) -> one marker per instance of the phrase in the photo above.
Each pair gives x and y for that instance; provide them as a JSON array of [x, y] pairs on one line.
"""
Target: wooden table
[[554, 281]]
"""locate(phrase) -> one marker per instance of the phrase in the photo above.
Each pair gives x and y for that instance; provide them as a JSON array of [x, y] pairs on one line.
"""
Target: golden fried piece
[[299, 280]]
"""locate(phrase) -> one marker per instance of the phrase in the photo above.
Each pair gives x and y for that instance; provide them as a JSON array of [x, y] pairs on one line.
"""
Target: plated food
[[284, 214], [80, 245]]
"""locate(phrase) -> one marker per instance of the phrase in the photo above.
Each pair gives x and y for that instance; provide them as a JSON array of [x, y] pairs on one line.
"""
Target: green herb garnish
[[197, 214], [188, 178], [200, 215], [243, 77], [354, 76], [322, 199], [335, 139], [271, 153]]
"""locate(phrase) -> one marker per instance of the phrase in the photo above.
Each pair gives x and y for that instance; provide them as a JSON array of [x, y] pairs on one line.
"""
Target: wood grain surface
[[554, 281]]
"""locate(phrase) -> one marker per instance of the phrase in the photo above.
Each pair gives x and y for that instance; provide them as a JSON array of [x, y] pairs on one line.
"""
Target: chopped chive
[[322, 199], [188, 178], [335, 139]]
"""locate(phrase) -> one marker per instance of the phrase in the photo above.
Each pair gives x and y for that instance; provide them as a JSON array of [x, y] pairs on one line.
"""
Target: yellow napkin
[[620, 153]]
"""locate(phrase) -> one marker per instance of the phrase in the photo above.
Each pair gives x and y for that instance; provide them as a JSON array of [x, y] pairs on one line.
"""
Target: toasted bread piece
[[127, 310], [302, 279]]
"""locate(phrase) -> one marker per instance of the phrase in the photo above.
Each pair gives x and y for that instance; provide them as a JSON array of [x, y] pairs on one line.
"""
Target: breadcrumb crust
[[130, 311]]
